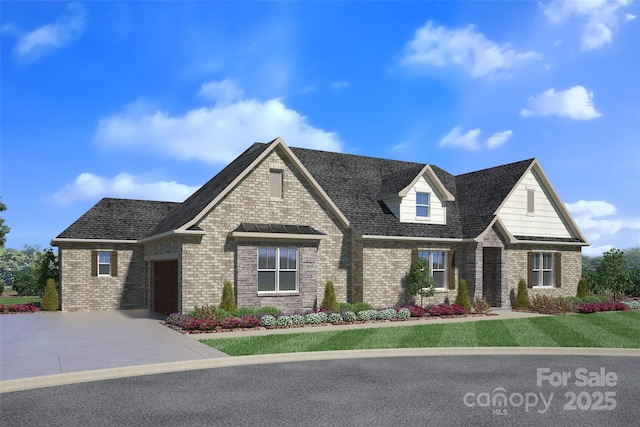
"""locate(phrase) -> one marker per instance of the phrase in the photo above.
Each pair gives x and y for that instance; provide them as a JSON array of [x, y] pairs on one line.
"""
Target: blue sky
[[149, 100]]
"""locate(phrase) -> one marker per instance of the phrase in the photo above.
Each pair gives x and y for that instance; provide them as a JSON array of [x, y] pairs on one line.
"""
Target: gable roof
[[481, 193], [351, 185], [198, 201], [118, 220]]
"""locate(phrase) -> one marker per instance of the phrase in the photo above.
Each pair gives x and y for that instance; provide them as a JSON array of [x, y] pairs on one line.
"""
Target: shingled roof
[[353, 183], [119, 219]]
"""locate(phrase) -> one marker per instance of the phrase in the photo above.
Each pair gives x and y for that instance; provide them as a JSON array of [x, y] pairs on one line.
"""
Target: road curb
[[21, 384]]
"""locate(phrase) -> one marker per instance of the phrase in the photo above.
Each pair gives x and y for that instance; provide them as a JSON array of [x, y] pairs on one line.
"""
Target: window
[[543, 269], [104, 263], [277, 270], [437, 266], [422, 205], [275, 183], [530, 202]]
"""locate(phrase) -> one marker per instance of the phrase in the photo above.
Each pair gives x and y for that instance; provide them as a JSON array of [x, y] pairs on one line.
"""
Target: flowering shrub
[[403, 313], [178, 319], [249, 321], [284, 321], [297, 319], [194, 323], [386, 314], [324, 317], [632, 305], [19, 308], [349, 316], [231, 322], [447, 310], [367, 315], [416, 310], [313, 318], [267, 320], [594, 307], [335, 318]]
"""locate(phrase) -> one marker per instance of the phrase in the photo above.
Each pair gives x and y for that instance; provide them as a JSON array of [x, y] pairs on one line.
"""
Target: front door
[[165, 286], [491, 276]]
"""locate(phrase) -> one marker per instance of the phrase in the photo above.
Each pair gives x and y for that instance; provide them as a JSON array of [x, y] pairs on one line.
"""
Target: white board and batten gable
[[534, 209], [403, 205]]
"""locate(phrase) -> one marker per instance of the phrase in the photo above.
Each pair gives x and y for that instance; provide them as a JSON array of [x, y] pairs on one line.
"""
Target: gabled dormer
[[417, 198]]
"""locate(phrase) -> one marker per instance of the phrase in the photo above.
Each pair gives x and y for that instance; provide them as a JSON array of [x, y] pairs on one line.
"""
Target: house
[[278, 222]]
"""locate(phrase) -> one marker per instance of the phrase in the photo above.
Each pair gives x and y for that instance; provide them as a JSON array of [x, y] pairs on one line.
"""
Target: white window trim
[[428, 206], [108, 264], [277, 270], [542, 270], [444, 287]]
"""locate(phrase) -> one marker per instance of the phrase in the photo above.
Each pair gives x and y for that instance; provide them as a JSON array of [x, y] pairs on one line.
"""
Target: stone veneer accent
[[247, 279], [79, 291]]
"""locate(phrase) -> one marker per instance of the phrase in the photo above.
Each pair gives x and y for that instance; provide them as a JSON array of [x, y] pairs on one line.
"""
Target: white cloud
[[223, 91], [50, 37], [340, 85], [598, 219], [630, 17], [210, 134], [88, 186], [465, 48], [601, 18], [468, 141], [498, 139], [471, 139], [574, 103]]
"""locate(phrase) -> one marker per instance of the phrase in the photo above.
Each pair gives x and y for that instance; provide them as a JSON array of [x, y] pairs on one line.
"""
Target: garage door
[[165, 286]]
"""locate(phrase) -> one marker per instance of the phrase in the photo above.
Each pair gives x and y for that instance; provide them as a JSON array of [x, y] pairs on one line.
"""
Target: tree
[[47, 267], [4, 229], [228, 302], [329, 301], [419, 280], [463, 295], [583, 289], [522, 298], [50, 301], [612, 273]]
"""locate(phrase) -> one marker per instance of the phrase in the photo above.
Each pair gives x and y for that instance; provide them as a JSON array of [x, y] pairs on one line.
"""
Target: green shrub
[[361, 306], [220, 314], [345, 306], [481, 305], [595, 298], [349, 316], [329, 301], [228, 301], [522, 298], [272, 311], [463, 295], [50, 300], [335, 318], [204, 312], [583, 288], [267, 320], [245, 311]]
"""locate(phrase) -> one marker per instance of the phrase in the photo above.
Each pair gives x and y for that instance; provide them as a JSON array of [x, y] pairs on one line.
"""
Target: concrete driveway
[[34, 345]]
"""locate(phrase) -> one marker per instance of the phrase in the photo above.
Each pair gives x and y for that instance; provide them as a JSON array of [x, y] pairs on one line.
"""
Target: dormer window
[[422, 205]]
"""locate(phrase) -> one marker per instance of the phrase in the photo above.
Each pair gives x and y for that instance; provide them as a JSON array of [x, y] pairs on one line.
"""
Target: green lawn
[[19, 300], [606, 330]]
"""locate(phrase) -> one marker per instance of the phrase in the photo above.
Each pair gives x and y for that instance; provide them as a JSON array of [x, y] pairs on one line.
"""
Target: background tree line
[[615, 271], [25, 270]]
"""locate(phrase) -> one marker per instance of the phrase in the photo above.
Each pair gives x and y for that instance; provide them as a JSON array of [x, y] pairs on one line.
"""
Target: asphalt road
[[400, 391]]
